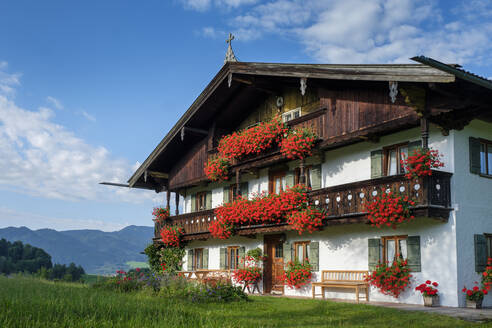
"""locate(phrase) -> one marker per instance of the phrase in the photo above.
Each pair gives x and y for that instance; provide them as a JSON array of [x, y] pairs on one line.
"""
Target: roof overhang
[[387, 72]]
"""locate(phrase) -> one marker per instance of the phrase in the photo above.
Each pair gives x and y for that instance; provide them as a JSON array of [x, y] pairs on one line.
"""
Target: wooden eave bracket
[[414, 97]]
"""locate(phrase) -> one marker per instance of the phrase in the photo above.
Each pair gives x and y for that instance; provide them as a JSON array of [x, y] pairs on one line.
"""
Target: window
[[232, 258], [232, 190], [291, 114], [277, 183], [485, 157], [201, 201], [488, 239], [392, 159], [301, 251], [394, 247], [198, 259]]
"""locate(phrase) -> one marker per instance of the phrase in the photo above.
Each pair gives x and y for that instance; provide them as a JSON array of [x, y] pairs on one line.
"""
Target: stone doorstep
[[477, 315]]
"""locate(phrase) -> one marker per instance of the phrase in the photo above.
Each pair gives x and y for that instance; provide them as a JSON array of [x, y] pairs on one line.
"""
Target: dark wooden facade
[[351, 114]]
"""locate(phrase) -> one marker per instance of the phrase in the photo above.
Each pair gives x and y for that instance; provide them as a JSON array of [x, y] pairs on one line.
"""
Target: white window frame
[[291, 113]]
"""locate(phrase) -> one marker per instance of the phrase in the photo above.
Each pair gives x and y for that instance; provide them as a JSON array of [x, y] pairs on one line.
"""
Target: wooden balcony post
[[424, 128], [177, 203], [168, 199], [238, 185], [302, 175]]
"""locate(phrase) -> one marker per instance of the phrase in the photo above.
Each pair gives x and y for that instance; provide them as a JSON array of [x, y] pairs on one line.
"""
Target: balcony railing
[[343, 204]]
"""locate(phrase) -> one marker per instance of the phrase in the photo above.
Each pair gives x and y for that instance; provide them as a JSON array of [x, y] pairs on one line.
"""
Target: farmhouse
[[344, 132]]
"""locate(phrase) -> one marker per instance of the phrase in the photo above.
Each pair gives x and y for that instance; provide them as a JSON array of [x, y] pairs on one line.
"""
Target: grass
[[135, 264], [28, 302]]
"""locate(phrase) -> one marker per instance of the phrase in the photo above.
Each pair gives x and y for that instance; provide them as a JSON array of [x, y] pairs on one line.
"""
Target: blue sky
[[88, 88]]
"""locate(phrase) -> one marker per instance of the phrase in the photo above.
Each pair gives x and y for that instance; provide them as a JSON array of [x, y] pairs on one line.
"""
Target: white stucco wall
[[472, 200], [447, 256]]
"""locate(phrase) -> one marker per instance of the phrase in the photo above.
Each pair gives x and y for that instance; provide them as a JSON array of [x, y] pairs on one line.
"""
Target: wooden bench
[[202, 274], [342, 279]]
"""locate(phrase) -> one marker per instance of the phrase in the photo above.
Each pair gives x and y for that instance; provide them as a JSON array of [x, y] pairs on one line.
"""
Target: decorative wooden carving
[[414, 97]]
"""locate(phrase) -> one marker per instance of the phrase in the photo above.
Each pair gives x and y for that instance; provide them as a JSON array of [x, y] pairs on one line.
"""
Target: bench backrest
[[338, 275]]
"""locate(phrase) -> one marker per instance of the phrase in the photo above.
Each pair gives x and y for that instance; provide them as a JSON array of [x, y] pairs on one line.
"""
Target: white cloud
[[88, 116], [203, 5], [41, 158], [36, 221], [211, 32], [377, 31], [8, 81], [55, 102]]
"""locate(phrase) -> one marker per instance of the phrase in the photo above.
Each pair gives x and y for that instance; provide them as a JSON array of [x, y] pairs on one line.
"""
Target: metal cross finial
[[230, 57], [230, 38]]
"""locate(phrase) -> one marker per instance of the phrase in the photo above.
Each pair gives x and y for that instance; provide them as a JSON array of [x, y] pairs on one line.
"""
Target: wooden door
[[274, 264]]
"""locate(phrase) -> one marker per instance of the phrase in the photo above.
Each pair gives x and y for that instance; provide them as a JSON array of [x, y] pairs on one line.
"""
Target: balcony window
[[290, 115], [393, 155], [277, 182], [201, 201]]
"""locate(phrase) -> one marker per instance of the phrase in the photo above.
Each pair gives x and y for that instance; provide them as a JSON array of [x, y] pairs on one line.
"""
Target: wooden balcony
[[343, 204]]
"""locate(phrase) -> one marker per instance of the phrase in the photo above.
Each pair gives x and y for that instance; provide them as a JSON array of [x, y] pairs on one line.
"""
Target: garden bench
[[342, 279], [202, 274]]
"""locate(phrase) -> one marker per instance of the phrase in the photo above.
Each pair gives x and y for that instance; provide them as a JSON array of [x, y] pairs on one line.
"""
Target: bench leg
[[323, 292], [357, 294], [367, 293], [313, 287]]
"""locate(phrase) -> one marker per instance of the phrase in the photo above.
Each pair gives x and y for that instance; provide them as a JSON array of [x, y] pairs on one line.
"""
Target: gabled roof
[[455, 70], [382, 72]]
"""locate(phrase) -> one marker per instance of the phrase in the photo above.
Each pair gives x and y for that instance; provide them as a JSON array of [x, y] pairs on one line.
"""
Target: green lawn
[[27, 302], [135, 264]]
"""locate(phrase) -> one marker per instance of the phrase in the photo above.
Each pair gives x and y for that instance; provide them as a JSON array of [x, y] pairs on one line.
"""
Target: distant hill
[[98, 252]]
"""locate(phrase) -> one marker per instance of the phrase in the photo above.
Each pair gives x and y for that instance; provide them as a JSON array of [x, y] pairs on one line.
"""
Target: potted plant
[[390, 279], [429, 293], [474, 296]]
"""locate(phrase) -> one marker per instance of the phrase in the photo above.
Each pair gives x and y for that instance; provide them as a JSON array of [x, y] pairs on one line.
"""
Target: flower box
[[431, 301], [474, 304]]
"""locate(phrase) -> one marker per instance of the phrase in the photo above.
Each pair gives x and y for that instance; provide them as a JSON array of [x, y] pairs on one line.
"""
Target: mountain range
[[98, 252]]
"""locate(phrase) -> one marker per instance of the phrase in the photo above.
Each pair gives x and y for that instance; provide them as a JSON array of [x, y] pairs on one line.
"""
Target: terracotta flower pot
[[474, 304], [431, 301]]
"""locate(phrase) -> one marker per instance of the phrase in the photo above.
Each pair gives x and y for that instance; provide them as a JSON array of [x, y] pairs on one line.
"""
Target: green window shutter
[[208, 200], [223, 255], [414, 145], [289, 179], [474, 155], [242, 252], [205, 258], [374, 252], [225, 195], [287, 250], [314, 255], [480, 253], [413, 253], [190, 260], [244, 189], [193, 203], [376, 163], [315, 177]]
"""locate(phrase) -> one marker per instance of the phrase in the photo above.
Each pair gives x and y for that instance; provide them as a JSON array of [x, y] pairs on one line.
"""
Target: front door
[[274, 265]]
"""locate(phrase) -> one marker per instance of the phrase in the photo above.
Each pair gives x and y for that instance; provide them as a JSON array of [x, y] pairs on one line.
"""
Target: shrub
[[171, 260], [153, 257], [130, 281], [215, 291]]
